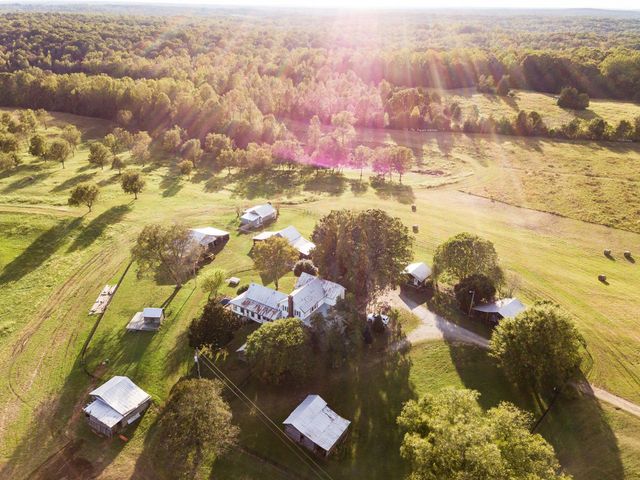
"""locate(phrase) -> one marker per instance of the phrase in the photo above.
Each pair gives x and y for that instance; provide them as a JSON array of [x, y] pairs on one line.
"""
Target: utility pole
[[197, 360]]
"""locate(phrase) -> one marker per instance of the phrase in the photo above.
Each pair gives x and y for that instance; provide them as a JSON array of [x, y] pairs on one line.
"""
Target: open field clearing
[[54, 260], [610, 111]]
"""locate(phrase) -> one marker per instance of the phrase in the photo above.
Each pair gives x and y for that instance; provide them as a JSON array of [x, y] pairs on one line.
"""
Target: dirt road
[[435, 327]]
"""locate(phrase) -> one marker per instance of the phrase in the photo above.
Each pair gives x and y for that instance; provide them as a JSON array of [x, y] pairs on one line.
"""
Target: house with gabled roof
[[115, 404], [256, 217], [209, 238], [293, 236], [315, 426], [311, 295], [417, 274]]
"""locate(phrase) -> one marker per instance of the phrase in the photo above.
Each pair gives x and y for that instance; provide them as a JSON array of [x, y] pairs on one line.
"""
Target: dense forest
[[243, 72]]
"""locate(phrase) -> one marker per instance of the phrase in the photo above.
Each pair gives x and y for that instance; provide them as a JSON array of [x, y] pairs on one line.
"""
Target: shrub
[[242, 289], [571, 98], [305, 266]]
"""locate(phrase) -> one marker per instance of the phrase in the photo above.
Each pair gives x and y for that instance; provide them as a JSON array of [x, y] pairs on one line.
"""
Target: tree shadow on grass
[[25, 182], [576, 427], [113, 179], [358, 187], [39, 251], [402, 193], [266, 183], [333, 183], [73, 181], [171, 184], [97, 226]]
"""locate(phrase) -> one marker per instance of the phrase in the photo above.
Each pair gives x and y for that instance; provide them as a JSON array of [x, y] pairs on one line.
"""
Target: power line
[[268, 422]]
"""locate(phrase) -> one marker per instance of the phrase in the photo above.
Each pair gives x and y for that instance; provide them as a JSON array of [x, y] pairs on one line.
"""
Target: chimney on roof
[[290, 311]]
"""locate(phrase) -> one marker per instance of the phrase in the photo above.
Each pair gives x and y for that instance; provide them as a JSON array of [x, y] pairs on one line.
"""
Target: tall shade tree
[[279, 350], [365, 252], [361, 158], [449, 437], [539, 349], [172, 139], [58, 151], [118, 164], [214, 143], [84, 194], [194, 429], [167, 248], [274, 257], [72, 135], [99, 155], [214, 328], [140, 147], [37, 146], [228, 159], [132, 182], [213, 281], [464, 255], [192, 151], [402, 160]]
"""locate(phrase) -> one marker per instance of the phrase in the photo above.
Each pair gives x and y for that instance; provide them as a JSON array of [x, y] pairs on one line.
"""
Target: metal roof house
[[149, 319], [258, 216], [417, 274], [293, 236], [116, 404], [315, 426], [503, 308], [310, 295], [209, 238]]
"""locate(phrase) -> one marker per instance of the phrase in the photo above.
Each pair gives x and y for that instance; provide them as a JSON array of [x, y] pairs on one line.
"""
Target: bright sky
[[364, 4]]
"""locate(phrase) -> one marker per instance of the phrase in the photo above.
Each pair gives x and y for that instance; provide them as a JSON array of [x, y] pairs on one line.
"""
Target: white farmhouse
[[310, 295]]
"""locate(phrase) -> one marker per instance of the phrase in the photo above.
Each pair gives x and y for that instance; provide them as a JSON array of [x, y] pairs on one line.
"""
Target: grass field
[[545, 104], [54, 260]]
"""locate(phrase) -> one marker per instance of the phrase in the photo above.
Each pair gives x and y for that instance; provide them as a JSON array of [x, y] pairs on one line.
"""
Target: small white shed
[[417, 274]]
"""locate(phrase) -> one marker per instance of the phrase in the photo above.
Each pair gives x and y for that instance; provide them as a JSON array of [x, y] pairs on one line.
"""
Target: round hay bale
[[416, 229], [627, 254], [414, 208], [607, 252], [602, 278]]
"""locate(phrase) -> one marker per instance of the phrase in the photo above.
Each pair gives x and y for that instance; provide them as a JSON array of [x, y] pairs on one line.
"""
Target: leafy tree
[[132, 182], [72, 135], [539, 348], [305, 266], [191, 150], [482, 287], [597, 129], [194, 428], [172, 139], [123, 139], [274, 257], [351, 250], [214, 328], [37, 146], [213, 281], [624, 130], [9, 160], [118, 164], [362, 157], [185, 167], [58, 151], [402, 159], [227, 159], [9, 143], [214, 143], [99, 155], [449, 437], [111, 142], [464, 255], [570, 98], [170, 248], [278, 350], [140, 147], [84, 194], [503, 86]]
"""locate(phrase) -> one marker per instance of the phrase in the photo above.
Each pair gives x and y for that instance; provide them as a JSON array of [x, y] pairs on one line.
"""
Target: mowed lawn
[[56, 260]]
